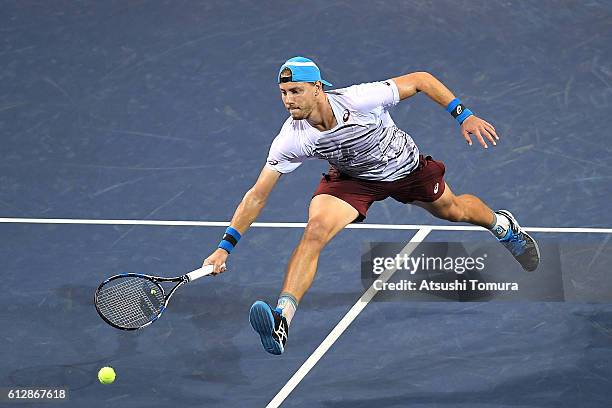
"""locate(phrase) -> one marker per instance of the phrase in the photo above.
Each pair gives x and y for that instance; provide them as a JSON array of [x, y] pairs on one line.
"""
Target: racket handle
[[198, 273]]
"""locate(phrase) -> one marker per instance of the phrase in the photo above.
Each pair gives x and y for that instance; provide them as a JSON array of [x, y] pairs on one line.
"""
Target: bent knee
[[453, 212], [455, 216], [317, 231]]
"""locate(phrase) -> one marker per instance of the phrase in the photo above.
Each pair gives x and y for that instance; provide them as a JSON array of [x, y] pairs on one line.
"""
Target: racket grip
[[198, 273]]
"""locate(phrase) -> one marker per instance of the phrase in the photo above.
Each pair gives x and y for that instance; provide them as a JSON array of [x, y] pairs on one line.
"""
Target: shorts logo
[[273, 162], [346, 115], [436, 188], [387, 83]]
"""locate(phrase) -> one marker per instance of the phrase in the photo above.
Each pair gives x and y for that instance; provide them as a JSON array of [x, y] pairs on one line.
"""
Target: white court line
[[342, 325], [287, 225]]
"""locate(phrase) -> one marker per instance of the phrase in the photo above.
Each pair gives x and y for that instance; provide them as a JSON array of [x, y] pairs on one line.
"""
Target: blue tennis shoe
[[520, 244], [271, 326]]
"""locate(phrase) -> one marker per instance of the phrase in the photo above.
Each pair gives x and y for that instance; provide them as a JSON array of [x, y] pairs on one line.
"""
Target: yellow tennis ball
[[106, 375]]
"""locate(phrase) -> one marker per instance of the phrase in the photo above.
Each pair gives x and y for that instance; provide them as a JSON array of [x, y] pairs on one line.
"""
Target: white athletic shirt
[[365, 143]]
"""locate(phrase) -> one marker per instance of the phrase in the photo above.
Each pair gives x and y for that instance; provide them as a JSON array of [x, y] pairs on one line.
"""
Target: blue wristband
[[464, 115], [230, 239], [458, 111], [226, 245], [233, 232], [452, 105]]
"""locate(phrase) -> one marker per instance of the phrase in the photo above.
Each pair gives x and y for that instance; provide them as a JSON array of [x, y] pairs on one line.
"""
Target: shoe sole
[[528, 268], [531, 268], [262, 321]]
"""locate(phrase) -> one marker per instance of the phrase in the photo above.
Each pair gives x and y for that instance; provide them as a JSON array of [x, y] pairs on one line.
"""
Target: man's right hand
[[217, 259]]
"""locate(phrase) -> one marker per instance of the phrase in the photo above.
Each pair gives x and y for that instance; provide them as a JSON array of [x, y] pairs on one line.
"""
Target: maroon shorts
[[426, 184]]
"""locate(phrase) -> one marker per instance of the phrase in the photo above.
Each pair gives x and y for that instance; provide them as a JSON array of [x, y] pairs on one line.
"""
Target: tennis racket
[[131, 301]]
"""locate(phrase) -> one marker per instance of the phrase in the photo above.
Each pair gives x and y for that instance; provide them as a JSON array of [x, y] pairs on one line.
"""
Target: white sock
[[500, 226], [288, 305]]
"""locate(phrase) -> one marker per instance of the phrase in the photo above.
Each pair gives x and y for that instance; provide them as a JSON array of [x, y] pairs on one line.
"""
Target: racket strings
[[125, 310], [124, 302], [130, 302]]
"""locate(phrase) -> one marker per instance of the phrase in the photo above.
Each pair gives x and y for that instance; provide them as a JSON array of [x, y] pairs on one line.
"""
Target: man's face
[[299, 98]]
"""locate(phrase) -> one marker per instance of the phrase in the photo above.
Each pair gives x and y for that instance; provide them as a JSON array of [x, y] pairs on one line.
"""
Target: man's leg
[[463, 208], [471, 209], [327, 216]]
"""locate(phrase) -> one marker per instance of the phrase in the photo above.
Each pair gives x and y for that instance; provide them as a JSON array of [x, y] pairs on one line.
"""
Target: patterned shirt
[[364, 144]]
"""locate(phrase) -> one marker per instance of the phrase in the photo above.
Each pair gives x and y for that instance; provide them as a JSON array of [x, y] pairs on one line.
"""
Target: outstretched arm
[[254, 200], [409, 84], [249, 208]]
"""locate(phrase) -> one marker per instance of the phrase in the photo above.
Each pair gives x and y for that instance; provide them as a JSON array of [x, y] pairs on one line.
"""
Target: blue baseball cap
[[302, 70]]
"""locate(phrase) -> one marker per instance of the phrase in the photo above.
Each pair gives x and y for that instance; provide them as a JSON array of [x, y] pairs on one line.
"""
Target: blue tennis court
[[131, 130]]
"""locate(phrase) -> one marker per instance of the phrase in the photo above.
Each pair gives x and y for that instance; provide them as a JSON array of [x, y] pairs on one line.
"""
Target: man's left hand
[[480, 128]]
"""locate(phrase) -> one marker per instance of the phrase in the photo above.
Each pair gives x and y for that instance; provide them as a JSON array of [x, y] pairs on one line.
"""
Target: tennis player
[[370, 160]]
